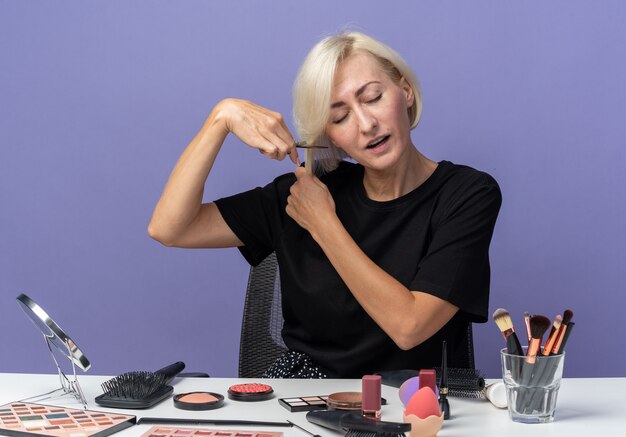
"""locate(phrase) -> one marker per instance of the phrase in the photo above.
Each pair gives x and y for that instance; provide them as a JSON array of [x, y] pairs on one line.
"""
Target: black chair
[[261, 341]]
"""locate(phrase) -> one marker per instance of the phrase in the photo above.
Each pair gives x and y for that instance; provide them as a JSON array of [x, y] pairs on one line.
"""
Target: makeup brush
[[302, 429], [538, 326], [139, 389], [503, 320], [547, 349], [215, 422], [547, 373], [356, 425], [568, 330], [527, 323], [567, 317]]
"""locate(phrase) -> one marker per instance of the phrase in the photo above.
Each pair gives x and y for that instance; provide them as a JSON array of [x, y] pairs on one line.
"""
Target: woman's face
[[369, 113]]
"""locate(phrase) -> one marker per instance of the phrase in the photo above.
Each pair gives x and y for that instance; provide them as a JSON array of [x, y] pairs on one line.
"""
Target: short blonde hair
[[313, 86]]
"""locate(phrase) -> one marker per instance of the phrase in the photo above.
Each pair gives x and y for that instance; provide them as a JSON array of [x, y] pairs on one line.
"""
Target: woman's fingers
[[262, 129], [285, 135]]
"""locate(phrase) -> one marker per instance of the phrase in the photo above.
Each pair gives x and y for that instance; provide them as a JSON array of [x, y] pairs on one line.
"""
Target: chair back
[[261, 340]]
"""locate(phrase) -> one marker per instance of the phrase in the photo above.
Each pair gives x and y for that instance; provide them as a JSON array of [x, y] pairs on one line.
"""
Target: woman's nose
[[367, 121]]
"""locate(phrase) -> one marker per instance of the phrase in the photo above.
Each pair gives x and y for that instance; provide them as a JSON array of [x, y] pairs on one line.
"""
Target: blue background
[[98, 99]]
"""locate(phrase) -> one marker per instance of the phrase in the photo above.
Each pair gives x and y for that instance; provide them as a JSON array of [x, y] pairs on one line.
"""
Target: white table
[[585, 406]]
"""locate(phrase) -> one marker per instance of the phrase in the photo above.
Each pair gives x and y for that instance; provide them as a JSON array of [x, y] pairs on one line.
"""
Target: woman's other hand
[[257, 127], [310, 203]]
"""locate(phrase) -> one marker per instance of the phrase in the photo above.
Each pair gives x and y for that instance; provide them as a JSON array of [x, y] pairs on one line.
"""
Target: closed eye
[[340, 120], [375, 99]]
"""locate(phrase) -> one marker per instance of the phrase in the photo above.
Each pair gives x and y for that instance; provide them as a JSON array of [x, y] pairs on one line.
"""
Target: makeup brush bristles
[[538, 326], [567, 316], [504, 322], [136, 385]]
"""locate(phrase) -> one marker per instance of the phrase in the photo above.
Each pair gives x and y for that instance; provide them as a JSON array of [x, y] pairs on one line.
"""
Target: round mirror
[[53, 332]]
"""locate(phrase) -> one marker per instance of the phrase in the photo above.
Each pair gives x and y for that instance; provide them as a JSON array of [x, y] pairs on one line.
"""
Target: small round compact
[[345, 400], [250, 392], [198, 400]]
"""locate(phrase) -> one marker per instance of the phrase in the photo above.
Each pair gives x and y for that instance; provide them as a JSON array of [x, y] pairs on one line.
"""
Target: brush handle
[[227, 422], [344, 420], [171, 371], [514, 348], [513, 345]]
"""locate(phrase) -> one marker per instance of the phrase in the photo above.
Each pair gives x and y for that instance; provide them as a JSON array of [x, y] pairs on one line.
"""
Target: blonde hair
[[313, 86]]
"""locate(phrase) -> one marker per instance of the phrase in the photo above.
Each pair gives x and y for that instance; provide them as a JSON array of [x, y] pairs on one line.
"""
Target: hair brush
[[356, 425], [138, 390], [463, 383]]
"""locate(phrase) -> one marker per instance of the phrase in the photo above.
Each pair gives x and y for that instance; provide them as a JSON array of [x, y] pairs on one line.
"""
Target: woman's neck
[[409, 173]]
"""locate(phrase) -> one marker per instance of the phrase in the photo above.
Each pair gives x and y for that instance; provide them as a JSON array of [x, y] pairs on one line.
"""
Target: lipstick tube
[[370, 397]]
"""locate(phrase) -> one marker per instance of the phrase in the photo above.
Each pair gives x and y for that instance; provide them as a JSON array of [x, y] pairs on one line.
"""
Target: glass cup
[[531, 388]]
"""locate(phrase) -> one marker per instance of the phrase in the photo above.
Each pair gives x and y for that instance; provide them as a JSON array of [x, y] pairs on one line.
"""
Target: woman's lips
[[379, 145]]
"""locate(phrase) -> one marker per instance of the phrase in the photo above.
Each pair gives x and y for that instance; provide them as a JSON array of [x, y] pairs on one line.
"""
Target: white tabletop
[[585, 406]]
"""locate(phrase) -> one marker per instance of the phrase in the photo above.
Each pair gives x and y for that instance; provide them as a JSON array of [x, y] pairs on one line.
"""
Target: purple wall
[[97, 101]]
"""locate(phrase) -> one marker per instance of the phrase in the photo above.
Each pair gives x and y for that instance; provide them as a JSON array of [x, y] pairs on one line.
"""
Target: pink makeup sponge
[[423, 404]]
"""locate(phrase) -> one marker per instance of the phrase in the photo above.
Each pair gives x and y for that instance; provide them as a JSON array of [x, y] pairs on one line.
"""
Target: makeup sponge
[[423, 404], [408, 389]]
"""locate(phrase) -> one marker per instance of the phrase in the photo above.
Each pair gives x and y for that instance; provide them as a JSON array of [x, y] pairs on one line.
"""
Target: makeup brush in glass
[[567, 317], [503, 320], [538, 326], [552, 337], [527, 323]]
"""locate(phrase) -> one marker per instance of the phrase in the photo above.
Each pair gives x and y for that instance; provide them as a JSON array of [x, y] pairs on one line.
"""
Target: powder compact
[[345, 400], [198, 400], [250, 392]]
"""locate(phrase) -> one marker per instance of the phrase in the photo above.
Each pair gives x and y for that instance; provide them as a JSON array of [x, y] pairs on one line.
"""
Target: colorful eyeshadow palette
[[159, 431], [27, 419]]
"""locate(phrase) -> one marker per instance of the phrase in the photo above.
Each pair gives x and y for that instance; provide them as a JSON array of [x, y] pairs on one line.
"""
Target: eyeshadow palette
[[311, 403], [28, 419], [160, 431], [306, 403]]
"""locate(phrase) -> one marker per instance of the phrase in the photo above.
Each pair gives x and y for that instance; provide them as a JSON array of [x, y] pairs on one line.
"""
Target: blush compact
[[198, 400], [250, 392]]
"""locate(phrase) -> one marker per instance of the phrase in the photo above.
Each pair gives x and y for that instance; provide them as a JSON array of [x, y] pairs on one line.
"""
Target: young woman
[[380, 260]]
